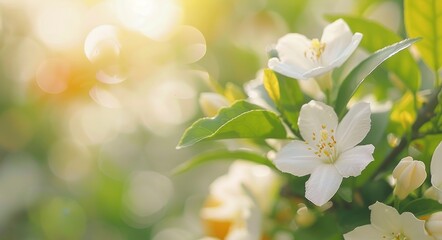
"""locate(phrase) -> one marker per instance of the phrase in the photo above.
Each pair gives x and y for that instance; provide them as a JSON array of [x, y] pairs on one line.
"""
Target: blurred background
[[95, 94]]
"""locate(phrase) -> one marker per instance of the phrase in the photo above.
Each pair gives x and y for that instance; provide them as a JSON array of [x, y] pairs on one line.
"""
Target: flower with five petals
[[302, 58], [387, 223], [435, 191], [328, 152]]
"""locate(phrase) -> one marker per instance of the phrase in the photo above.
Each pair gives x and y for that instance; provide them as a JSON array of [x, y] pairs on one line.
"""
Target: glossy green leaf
[[421, 207], [360, 72], [223, 155], [402, 65], [286, 94], [423, 18], [241, 120], [346, 194]]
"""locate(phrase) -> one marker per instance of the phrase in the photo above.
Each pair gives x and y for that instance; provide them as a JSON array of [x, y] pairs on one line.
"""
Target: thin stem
[[325, 83], [424, 115], [396, 202]]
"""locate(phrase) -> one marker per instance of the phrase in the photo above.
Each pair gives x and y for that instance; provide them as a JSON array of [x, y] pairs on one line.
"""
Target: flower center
[[396, 236], [324, 144], [315, 50]]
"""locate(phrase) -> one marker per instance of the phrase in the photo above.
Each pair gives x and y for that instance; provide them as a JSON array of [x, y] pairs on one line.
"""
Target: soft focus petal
[[291, 50], [322, 184], [366, 232], [313, 117], [302, 58], [254, 222], [317, 71], [412, 227], [291, 59], [285, 69], [297, 159], [433, 193], [355, 40], [434, 225], [238, 234], [436, 167], [337, 36], [385, 218], [353, 161], [354, 126]]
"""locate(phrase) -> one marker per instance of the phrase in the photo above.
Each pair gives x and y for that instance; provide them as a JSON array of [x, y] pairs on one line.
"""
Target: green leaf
[[421, 207], [360, 72], [351, 218], [379, 123], [423, 18], [223, 155], [241, 120], [286, 94], [346, 193], [402, 65], [325, 228]]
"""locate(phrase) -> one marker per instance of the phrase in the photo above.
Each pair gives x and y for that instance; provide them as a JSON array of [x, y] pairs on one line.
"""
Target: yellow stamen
[[315, 50]]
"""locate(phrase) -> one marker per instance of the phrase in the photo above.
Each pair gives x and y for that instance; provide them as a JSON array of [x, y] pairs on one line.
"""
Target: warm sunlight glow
[[153, 18], [53, 75], [59, 24]]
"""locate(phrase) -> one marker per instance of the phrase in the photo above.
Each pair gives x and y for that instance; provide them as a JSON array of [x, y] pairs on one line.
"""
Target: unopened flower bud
[[434, 225], [211, 102], [409, 175], [304, 217]]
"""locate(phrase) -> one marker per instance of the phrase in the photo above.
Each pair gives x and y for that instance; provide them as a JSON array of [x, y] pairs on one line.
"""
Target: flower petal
[[434, 193], [436, 167], [313, 117], [354, 127], [285, 69], [291, 59], [354, 160], [366, 232], [322, 184], [412, 227], [434, 225], [297, 159], [330, 63], [351, 47], [385, 218], [317, 71], [336, 36]]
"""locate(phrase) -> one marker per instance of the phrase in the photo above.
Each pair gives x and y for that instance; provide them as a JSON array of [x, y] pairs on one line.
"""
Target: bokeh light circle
[[153, 18], [53, 75], [147, 193]]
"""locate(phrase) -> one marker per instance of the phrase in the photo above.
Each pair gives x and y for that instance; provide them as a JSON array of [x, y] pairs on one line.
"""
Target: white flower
[[387, 223], [434, 225], [435, 191], [302, 58], [328, 152], [237, 200], [410, 174]]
